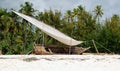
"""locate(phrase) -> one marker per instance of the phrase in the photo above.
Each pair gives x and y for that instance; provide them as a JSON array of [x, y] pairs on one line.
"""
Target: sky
[[109, 7]]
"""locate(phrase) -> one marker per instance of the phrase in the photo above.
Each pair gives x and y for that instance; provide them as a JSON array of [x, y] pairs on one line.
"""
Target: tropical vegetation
[[17, 35]]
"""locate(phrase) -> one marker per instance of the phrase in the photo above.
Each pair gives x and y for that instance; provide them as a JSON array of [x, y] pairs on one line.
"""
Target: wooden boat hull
[[53, 49]]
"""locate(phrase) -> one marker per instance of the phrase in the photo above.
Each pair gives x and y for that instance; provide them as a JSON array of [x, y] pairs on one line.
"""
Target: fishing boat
[[71, 44]]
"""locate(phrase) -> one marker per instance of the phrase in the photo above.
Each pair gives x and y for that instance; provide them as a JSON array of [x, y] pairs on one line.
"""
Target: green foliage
[[17, 35]]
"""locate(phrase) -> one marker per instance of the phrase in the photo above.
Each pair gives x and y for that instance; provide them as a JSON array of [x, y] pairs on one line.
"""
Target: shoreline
[[59, 62]]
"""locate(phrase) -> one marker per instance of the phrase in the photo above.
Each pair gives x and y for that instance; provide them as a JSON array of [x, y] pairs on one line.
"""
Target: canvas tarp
[[50, 31]]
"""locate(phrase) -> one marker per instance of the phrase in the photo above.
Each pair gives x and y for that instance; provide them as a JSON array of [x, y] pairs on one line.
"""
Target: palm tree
[[68, 16], [27, 27], [7, 30], [98, 11]]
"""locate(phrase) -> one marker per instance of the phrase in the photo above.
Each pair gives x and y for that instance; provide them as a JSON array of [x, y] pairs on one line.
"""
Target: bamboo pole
[[43, 39], [95, 46], [69, 50]]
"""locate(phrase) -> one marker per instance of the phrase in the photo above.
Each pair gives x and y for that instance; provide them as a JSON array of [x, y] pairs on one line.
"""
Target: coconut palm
[[27, 28], [98, 12]]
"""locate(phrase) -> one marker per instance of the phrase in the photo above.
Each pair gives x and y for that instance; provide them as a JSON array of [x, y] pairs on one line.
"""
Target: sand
[[60, 63]]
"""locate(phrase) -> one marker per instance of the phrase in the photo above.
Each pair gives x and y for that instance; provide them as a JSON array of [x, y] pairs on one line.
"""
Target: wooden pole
[[69, 50], [43, 43], [95, 46], [43, 39], [70, 47]]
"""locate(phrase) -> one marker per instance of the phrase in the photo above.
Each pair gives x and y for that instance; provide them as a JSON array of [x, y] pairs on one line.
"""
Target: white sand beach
[[60, 63]]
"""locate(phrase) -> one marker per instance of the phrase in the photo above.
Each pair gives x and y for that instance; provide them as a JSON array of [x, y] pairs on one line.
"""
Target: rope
[[99, 45], [103, 47]]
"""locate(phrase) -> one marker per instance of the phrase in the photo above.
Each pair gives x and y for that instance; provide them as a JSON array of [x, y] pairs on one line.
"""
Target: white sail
[[50, 31]]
